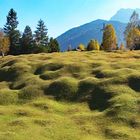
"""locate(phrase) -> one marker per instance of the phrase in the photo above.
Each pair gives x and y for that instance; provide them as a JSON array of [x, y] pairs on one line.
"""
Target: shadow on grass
[[99, 100], [134, 83]]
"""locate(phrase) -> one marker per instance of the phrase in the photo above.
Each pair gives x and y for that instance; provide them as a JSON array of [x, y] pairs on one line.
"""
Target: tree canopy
[[109, 38], [11, 31], [93, 45]]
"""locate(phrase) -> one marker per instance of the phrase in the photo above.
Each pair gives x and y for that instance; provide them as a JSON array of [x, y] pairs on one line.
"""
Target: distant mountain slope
[[83, 34], [1, 30], [123, 15]]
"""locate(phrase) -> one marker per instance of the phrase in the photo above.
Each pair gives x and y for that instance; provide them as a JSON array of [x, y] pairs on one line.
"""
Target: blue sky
[[61, 15]]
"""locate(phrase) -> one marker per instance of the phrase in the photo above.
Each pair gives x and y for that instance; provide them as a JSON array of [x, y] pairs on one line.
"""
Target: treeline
[[15, 43], [109, 41]]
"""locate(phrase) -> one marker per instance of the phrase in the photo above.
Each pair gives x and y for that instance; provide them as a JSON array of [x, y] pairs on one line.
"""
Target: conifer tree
[[27, 40], [109, 38], [53, 45], [133, 39], [122, 47], [134, 22], [41, 37], [11, 31], [81, 47], [93, 45]]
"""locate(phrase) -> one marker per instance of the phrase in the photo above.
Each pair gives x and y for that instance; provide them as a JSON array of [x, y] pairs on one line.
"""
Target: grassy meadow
[[70, 96]]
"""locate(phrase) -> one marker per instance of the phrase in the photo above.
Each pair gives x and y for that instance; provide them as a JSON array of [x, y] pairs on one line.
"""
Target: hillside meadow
[[70, 96]]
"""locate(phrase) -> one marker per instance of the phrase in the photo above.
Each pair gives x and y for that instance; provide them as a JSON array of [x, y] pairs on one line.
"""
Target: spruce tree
[[11, 31], [53, 45], [41, 37], [109, 38], [27, 40]]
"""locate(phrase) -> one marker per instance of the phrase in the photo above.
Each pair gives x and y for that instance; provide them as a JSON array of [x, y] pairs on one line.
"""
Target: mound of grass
[[86, 88], [40, 104], [17, 122], [116, 134], [4, 85], [30, 92], [50, 75], [8, 97], [15, 61], [41, 122], [48, 67], [89, 95], [77, 70], [17, 86], [13, 72], [64, 88], [123, 106], [104, 73]]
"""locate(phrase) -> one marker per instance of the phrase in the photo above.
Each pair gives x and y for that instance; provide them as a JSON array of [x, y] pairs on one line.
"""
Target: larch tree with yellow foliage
[[81, 47], [4, 44], [133, 39], [109, 38], [122, 47], [93, 45]]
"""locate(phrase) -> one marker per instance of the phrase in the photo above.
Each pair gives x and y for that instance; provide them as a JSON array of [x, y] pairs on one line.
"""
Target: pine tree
[[109, 38], [93, 45], [11, 31], [27, 40], [41, 37], [53, 45]]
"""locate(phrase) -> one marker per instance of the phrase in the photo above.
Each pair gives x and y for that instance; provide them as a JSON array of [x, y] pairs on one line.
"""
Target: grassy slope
[[100, 99]]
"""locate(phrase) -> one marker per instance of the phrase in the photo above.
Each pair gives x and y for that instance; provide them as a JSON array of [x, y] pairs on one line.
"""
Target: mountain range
[[1, 30], [93, 30], [123, 15]]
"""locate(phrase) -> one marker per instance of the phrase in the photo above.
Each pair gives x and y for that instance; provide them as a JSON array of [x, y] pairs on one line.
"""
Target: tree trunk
[[3, 54]]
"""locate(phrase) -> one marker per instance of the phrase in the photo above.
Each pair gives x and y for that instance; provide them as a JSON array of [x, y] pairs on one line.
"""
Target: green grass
[[70, 96]]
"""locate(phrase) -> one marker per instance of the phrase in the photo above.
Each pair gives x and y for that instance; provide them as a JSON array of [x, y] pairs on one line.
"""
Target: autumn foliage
[[109, 38], [4, 44], [133, 38], [93, 45], [81, 47]]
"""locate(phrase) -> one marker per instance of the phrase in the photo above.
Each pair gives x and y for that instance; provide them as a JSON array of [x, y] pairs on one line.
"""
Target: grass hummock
[[70, 96]]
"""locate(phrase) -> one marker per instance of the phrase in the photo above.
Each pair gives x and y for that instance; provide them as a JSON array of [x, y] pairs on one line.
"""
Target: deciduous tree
[[133, 39], [4, 44], [122, 47], [134, 22], [109, 38], [93, 45], [81, 47]]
